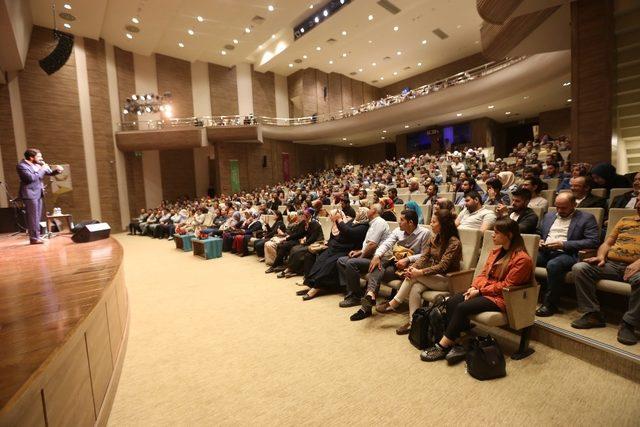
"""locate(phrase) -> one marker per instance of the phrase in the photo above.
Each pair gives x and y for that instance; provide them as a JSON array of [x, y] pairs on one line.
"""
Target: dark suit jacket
[[582, 234], [528, 222], [592, 201], [622, 200], [31, 185]]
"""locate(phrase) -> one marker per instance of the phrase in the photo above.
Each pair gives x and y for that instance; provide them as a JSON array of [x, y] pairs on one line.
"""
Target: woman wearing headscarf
[[604, 176], [241, 241], [346, 235], [296, 244], [412, 205], [277, 229], [238, 227], [271, 247], [508, 179]]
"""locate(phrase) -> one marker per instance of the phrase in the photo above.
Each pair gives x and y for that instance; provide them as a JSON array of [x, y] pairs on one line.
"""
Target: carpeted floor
[[218, 342]]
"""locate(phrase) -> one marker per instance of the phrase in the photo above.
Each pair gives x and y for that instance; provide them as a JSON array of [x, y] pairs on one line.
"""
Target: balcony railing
[[240, 120]]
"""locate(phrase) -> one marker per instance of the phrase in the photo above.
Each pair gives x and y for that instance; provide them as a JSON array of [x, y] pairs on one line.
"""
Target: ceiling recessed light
[[331, 62], [223, 52], [318, 48], [316, 19], [459, 115], [508, 112], [491, 107], [424, 42], [290, 65], [67, 6], [344, 33], [129, 36], [310, 6], [270, 8], [190, 31], [525, 97], [200, 18], [395, 73], [66, 25], [304, 56], [344, 55], [325, 13], [247, 30], [419, 64], [396, 28], [384, 131], [569, 100], [373, 63], [273, 36], [351, 143], [381, 78], [406, 126], [259, 46], [359, 70], [135, 20], [180, 44], [344, 139], [398, 53], [566, 84], [370, 17], [458, 26], [383, 137], [370, 41], [235, 41]]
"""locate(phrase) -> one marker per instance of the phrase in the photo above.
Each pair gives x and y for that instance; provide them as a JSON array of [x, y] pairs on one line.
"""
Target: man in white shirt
[[474, 215], [357, 262], [383, 266], [456, 164]]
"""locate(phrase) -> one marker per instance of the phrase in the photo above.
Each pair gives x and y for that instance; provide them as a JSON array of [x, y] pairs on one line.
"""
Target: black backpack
[[428, 324], [485, 360]]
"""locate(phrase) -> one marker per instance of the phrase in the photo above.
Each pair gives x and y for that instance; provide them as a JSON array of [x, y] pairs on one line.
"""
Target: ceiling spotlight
[[383, 137], [235, 41], [190, 31], [566, 84], [129, 36], [459, 115], [273, 36], [569, 100], [344, 139], [331, 62], [396, 28], [344, 33], [290, 65], [424, 42], [135, 20], [381, 78], [310, 6], [370, 17], [344, 55], [525, 97], [223, 52], [247, 30], [419, 64], [370, 41], [316, 19], [68, 7], [66, 25], [200, 18], [395, 73], [318, 48], [359, 70], [304, 56], [270, 8], [302, 30], [398, 53], [351, 143], [384, 131], [406, 126], [374, 64], [508, 112], [259, 46], [180, 44], [491, 107], [325, 13]]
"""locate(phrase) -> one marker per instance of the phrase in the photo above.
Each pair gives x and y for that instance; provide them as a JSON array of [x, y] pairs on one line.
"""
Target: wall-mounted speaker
[[264, 161], [60, 55], [86, 232]]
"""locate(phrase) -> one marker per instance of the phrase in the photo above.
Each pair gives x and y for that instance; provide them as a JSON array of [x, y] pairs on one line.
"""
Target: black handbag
[[485, 360], [428, 325]]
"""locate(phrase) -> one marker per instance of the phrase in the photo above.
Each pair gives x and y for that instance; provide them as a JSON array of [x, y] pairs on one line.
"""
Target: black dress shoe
[[595, 319], [350, 302], [368, 302], [359, 315], [456, 355], [270, 270], [626, 334], [302, 292], [546, 310], [308, 297]]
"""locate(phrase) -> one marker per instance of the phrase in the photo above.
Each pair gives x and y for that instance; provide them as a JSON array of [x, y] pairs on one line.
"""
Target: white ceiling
[[165, 23]]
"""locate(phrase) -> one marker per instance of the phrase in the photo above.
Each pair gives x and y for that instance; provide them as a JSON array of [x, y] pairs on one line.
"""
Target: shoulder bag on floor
[[485, 360], [428, 325]]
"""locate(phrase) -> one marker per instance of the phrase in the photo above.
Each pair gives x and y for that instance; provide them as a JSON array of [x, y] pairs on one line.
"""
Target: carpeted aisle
[[219, 342]]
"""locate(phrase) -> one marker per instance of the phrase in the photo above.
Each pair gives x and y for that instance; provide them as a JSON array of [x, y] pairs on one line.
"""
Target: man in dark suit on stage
[[32, 170]]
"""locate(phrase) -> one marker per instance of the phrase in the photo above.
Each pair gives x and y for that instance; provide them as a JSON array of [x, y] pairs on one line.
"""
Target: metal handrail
[[389, 100]]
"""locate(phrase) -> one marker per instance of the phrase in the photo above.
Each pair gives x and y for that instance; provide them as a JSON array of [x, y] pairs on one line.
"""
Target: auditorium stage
[[63, 330]]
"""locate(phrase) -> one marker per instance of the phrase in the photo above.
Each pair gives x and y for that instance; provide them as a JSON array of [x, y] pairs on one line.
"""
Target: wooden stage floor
[[46, 292]]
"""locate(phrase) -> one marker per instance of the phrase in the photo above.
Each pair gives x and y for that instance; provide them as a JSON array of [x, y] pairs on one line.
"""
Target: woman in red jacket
[[507, 265]]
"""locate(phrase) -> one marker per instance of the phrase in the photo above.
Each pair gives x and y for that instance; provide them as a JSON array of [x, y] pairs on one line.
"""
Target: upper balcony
[[489, 83]]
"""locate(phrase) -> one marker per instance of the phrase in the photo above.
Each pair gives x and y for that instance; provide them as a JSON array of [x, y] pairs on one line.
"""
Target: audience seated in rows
[[474, 215]]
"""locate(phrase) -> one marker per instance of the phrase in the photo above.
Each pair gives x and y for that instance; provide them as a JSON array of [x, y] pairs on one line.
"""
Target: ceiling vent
[[331, 41], [390, 7], [374, 81], [386, 58], [406, 68], [132, 28], [229, 46], [258, 20], [297, 60], [438, 32], [353, 73]]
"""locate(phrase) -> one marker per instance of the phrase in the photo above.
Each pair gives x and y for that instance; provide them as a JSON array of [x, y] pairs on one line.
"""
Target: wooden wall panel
[[126, 78], [335, 93], [322, 83], [309, 94], [102, 130], [8, 143], [174, 75], [224, 90], [178, 176], [592, 50], [357, 93], [99, 352], [368, 93], [347, 100], [52, 119], [264, 94], [556, 123], [434, 74], [294, 89], [135, 183]]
